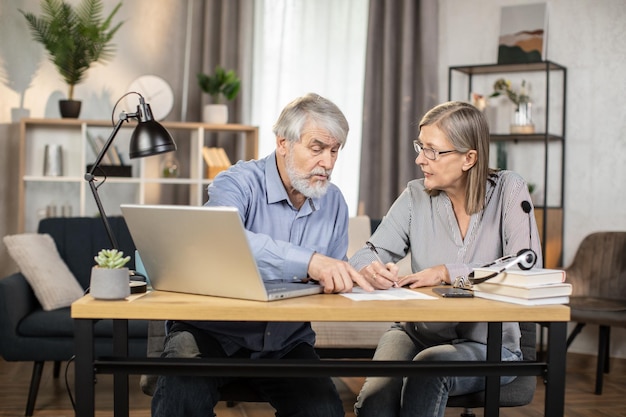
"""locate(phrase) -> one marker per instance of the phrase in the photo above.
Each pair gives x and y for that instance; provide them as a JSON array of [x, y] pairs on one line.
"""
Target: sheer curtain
[[303, 46]]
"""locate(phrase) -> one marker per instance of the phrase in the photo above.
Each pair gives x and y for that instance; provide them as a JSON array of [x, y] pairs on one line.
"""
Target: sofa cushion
[[79, 239], [39, 261]]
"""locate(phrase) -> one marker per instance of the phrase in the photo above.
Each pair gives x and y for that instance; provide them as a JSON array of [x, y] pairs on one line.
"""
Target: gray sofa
[[29, 333]]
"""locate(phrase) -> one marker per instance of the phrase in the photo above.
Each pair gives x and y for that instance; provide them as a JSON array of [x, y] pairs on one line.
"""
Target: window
[[303, 46]]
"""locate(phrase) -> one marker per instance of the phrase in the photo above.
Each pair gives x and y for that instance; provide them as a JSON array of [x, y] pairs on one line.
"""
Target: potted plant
[[222, 84], [75, 38], [110, 278], [522, 118]]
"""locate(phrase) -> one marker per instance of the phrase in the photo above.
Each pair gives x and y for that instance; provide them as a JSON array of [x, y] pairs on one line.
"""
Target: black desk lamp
[[148, 138]]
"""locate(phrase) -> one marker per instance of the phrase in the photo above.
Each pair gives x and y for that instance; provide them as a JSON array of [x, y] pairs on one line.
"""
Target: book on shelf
[[114, 155], [224, 159], [216, 160], [92, 143], [563, 299], [524, 291], [111, 157], [513, 276]]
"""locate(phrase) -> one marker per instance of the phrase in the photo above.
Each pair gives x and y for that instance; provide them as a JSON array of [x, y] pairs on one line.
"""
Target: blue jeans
[[420, 395], [191, 396]]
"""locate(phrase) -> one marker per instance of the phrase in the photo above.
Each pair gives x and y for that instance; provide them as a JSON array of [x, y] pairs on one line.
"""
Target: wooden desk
[[159, 305]]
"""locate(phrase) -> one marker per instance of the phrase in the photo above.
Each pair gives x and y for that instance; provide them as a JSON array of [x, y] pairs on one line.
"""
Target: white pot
[[109, 284], [215, 114]]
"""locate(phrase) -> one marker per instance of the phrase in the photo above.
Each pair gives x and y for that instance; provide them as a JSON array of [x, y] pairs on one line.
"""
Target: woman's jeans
[[420, 395], [191, 396]]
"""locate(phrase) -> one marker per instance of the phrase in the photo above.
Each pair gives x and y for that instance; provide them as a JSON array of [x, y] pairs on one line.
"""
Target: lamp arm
[[90, 178], [103, 215]]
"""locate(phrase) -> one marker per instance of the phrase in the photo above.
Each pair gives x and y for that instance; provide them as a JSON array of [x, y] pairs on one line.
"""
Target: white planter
[[215, 114], [109, 284]]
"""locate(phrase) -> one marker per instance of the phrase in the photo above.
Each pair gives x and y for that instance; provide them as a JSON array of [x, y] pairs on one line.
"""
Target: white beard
[[301, 182]]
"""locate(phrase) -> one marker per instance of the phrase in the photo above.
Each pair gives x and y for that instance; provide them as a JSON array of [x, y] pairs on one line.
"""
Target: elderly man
[[296, 222]]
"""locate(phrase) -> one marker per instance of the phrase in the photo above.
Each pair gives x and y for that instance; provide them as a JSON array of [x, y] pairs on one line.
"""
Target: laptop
[[202, 250]]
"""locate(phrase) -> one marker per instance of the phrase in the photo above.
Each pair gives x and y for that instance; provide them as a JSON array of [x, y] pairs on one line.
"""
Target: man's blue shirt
[[283, 239]]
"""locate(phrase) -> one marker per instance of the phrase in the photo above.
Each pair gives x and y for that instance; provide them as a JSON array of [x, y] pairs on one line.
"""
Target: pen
[[372, 248]]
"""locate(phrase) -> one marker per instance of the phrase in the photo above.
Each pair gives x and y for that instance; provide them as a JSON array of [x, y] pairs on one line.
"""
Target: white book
[[525, 291], [524, 301]]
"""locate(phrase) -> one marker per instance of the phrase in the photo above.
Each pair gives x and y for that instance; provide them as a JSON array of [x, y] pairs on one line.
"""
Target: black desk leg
[[492, 383], [120, 379], [84, 372], [555, 372]]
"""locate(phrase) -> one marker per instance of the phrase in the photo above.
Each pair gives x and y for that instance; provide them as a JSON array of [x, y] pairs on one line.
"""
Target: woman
[[460, 215]]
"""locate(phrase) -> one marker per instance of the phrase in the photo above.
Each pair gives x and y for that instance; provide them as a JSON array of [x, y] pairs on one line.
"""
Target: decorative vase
[[170, 168], [523, 119], [215, 114], [109, 284], [69, 109], [53, 160]]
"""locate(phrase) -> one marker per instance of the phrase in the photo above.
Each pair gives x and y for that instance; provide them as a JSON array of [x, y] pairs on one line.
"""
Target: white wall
[[588, 37]]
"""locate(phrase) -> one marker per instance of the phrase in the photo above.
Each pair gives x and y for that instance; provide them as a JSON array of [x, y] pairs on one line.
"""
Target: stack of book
[[216, 160], [537, 286], [112, 163]]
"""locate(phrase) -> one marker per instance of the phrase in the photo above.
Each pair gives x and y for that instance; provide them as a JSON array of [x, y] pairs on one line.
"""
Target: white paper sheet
[[359, 294]]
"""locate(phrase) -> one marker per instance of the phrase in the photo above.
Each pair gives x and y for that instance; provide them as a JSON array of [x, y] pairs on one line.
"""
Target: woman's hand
[[429, 277], [379, 276]]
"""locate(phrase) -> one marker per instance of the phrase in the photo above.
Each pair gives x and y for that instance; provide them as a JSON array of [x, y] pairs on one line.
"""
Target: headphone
[[525, 259]]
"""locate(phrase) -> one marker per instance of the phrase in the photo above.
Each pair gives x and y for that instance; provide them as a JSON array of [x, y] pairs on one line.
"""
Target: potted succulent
[[75, 38], [222, 84], [110, 279]]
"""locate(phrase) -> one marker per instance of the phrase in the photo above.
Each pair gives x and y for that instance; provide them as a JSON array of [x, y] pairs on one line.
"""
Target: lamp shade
[[150, 138]]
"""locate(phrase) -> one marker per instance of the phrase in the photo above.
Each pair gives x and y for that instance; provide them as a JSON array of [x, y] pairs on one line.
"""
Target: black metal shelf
[[539, 138], [507, 68], [530, 137]]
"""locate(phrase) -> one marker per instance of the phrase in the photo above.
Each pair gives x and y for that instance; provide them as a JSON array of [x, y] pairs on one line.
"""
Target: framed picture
[[523, 31]]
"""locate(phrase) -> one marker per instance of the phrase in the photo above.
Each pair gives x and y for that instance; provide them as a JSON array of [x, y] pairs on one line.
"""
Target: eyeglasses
[[431, 154]]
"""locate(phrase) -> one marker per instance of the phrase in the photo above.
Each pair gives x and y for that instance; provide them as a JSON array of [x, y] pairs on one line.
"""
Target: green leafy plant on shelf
[[111, 259], [220, 84], [503, 87], [75, 37]]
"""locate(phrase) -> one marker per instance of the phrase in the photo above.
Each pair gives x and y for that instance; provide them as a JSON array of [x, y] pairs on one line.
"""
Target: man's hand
[[335, 275]]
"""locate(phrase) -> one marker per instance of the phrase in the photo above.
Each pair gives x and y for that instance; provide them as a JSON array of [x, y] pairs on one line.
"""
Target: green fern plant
[[221, 84], [75, 38], [111, 259]]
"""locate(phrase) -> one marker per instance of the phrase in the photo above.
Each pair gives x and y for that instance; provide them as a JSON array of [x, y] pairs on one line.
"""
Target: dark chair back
[[598, 278], [599, 267], [69, 236]]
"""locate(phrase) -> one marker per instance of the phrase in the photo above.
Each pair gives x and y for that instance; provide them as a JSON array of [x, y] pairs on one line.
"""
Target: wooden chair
[[598, 278]]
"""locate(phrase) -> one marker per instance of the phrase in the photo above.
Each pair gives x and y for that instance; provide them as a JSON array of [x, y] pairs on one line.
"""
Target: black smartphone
[[451, 292]]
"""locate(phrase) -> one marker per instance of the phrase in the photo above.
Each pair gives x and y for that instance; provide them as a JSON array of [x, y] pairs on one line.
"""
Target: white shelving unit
[[40, 196]]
